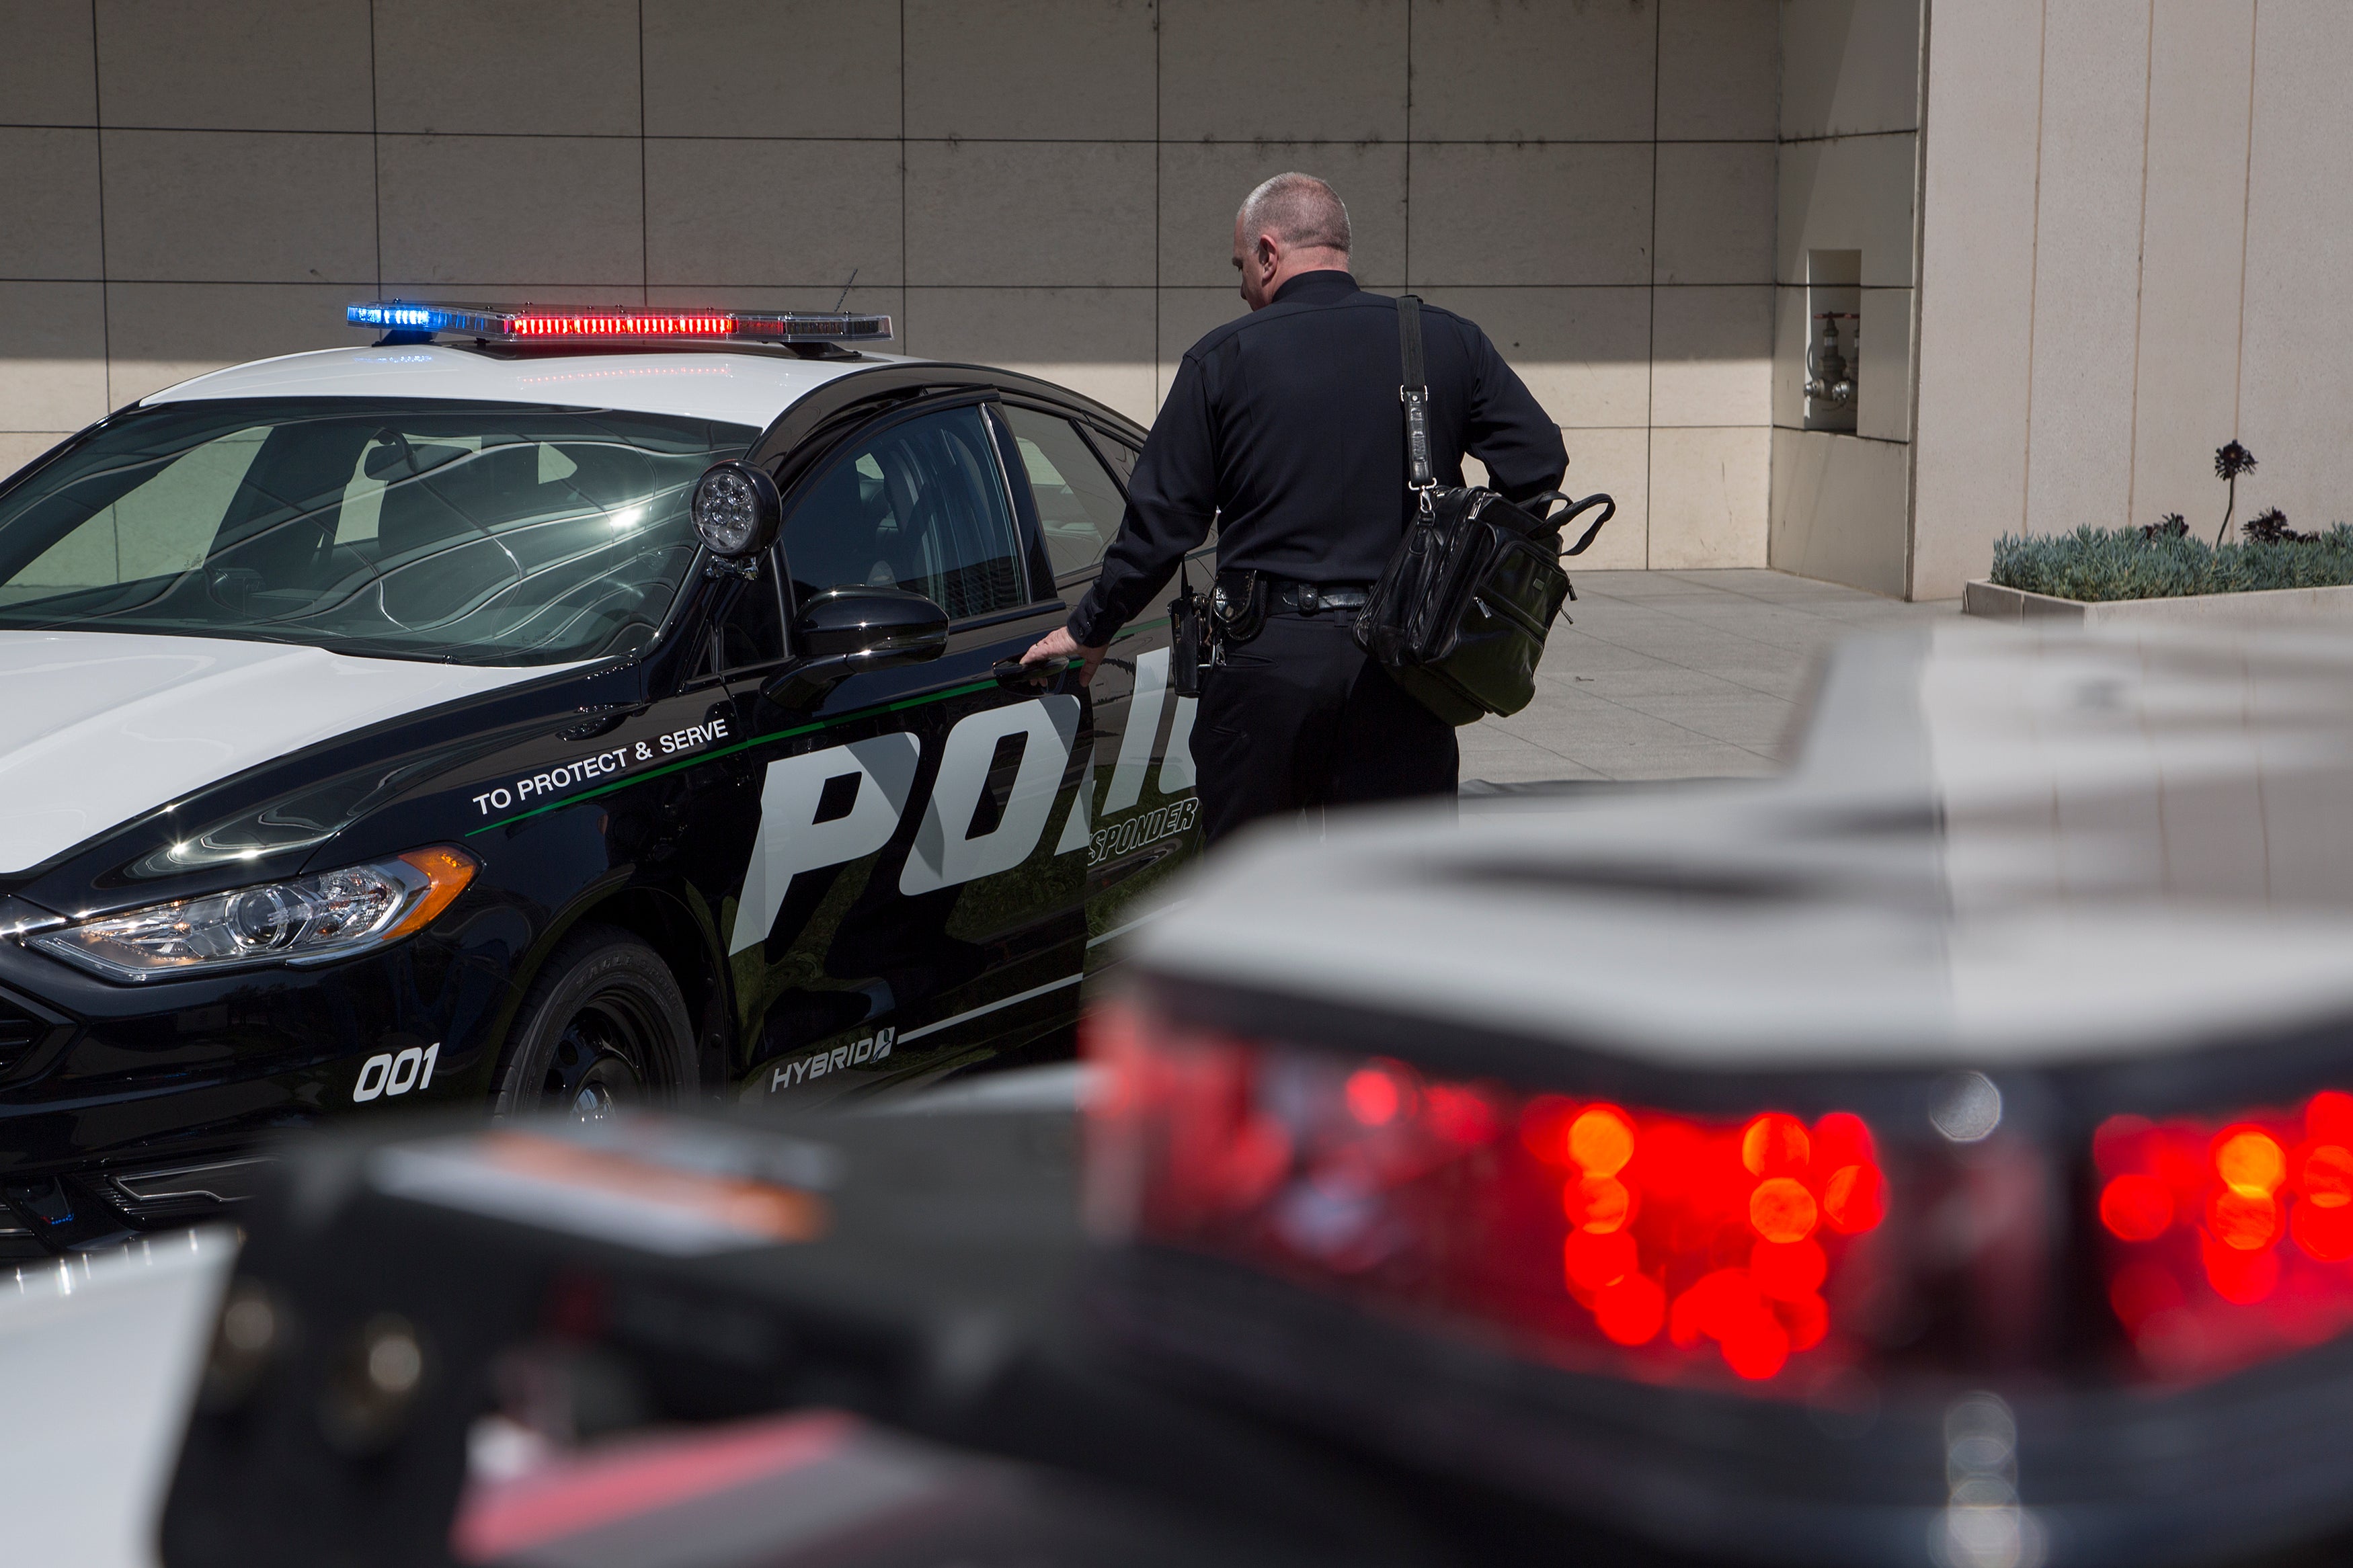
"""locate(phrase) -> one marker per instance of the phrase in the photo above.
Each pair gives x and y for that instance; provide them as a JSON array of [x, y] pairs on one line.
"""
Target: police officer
[[1285, 428]]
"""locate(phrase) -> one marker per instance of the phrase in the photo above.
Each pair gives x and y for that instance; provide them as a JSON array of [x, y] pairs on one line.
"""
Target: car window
[[1079, 506], [487, 533], [920, 506]]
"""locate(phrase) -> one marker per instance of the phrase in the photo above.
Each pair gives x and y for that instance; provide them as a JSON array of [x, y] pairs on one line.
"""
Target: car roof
[[737, 387], [1994, 848]]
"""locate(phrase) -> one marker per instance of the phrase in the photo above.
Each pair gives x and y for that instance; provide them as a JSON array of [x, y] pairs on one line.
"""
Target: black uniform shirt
[[1285, 426]]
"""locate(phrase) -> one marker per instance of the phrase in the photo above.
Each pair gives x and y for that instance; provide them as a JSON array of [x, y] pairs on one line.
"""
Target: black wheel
[[604, 1026]]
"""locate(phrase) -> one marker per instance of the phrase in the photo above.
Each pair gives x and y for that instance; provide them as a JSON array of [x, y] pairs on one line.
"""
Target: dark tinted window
[[921, 507], [1079, 506], [487, 533]]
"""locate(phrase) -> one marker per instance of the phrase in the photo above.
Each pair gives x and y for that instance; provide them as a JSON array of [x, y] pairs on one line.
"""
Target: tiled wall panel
[[520, 67], [1977, 309], [1847, 193], [1532, 213], [562, 210], [49, 72], [1847, 170], [1501, 70], [52, 355], [2192, 244], [1585, 353], [1832, 498], [1709, 86], [2296, 387], [238, 207], [702, 232], [254, 65], [1089, 68], [50, 189], [1709, 494], [1846, 66], [1711, 355], [1299, 70], [1048, 184], [2086, 267], [710, 67]]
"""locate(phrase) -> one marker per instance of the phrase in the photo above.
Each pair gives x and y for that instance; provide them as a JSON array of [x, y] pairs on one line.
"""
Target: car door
[[1141, 816], [914, 898]]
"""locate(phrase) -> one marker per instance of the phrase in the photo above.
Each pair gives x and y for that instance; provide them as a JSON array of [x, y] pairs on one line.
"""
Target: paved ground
[[1676, 675]]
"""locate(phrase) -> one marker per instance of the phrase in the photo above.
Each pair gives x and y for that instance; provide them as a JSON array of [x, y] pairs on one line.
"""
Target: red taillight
[[1662, 1245], [2229, 1241]]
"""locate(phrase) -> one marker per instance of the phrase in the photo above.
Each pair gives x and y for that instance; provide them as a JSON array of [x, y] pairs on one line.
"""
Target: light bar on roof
[[619, 325]]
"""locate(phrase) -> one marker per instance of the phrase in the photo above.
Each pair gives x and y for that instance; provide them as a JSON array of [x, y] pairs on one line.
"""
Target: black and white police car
[[547, 710]]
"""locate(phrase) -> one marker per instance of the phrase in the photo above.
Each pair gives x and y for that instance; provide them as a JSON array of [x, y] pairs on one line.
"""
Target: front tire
[[604, 1026]]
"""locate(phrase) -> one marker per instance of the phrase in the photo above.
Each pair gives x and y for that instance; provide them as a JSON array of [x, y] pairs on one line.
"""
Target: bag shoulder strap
[[1415, 395]]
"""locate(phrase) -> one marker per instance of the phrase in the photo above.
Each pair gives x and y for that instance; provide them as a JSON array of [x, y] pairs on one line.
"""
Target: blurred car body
[[1938, 1155]]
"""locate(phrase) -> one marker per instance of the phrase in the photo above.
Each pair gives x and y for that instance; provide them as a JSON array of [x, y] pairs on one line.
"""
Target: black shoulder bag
[[1459, 616]]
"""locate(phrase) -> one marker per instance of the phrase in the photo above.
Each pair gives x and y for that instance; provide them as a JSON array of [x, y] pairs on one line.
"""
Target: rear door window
[[1078, 504]]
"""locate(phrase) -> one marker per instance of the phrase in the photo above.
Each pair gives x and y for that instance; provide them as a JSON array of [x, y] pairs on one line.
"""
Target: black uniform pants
[[1300, 716]]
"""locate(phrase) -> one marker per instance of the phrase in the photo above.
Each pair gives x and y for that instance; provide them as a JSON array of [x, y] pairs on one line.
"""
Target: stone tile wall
[[1043, 184], [1850, 146], [2134, 251]]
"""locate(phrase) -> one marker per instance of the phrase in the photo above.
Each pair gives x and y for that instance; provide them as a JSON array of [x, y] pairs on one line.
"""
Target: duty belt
[[1308, 598]]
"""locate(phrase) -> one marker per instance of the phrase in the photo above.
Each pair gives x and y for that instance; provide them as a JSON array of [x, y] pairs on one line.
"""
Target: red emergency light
[[1661, 1246], [2229, 1239], [534, 324]]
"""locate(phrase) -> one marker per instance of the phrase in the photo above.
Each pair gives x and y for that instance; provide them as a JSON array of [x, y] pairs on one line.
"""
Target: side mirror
[[842, 631], [736, 510]]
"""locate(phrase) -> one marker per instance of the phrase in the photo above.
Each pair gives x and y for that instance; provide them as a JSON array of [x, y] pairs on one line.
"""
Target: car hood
[[99, 727]]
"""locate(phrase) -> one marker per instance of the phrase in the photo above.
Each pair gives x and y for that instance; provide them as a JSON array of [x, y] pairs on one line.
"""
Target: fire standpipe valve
[[1830, 373]]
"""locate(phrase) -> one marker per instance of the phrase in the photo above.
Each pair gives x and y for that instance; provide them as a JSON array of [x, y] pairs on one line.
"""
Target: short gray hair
[[1299, 209]]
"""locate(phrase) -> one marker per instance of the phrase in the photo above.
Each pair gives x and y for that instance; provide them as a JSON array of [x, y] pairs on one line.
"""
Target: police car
[[546, 709], [1942, 1154]]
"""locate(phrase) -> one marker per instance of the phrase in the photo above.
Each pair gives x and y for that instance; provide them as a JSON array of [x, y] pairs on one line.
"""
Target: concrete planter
[[2271, 604]]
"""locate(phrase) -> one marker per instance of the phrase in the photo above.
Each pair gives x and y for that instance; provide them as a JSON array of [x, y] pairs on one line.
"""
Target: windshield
[[476, 532]]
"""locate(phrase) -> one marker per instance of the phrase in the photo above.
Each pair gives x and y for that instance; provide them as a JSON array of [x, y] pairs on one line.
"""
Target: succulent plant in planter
[[2270, 527], [2172, 525], [2230, 460], [2095, 565]]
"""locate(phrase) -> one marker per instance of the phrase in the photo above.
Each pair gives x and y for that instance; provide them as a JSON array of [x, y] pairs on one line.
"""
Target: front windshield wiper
[[432, 653]]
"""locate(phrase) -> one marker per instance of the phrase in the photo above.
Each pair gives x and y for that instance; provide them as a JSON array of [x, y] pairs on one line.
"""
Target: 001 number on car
[[395, 1073]]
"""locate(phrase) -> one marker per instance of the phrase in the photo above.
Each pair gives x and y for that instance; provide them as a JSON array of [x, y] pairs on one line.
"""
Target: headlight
[[308, 921]]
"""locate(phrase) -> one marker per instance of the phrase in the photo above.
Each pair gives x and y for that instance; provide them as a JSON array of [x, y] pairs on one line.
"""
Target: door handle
[[1013, 672], [602, 719]]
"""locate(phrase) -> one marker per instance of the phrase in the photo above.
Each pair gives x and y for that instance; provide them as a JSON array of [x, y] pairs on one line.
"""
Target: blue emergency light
[[410, 323]]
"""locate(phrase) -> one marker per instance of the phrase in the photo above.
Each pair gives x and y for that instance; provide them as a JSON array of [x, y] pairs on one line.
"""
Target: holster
[[1238, 607]]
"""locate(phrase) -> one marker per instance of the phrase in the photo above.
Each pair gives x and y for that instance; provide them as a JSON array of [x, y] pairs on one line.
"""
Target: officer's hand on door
[[1058, 644]]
